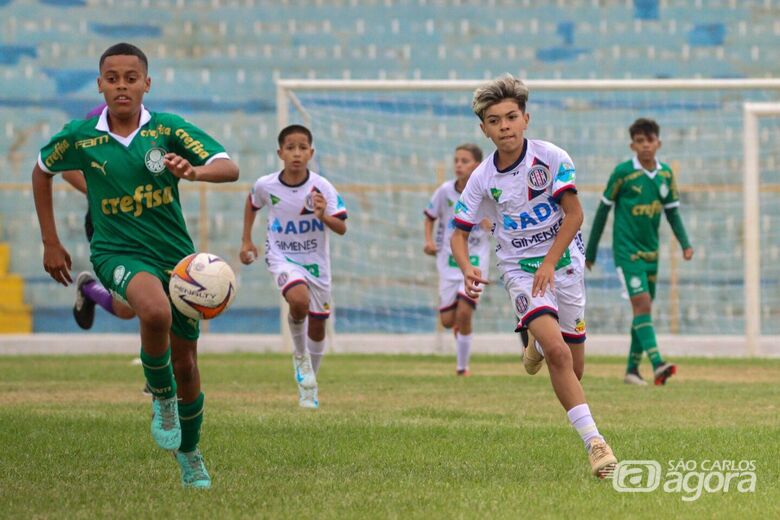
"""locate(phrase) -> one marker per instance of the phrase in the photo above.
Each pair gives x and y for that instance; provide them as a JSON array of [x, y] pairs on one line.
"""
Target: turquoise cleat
[[193, 470], [166, 430]]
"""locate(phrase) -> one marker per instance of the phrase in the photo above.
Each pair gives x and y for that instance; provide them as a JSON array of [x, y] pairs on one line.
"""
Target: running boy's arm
[[570, 225], [56, 260], [466, 217], [430, 246], [218, 170], [76, 179], [248, 249], [431, 213], [331, 212]]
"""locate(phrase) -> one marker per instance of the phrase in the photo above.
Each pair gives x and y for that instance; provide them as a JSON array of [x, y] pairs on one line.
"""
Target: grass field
[[395, 437]]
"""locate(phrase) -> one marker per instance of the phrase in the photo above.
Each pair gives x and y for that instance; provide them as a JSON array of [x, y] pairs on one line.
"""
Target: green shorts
[[115, 274], [637, 281]]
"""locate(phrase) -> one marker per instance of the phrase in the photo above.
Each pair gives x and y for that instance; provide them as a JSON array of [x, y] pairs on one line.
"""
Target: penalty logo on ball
[[202, 286]]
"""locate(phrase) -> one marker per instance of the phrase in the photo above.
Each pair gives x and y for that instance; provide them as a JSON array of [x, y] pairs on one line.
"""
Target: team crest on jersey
[[308, 202], [154, 160], [539, 177], [282, 279], [663, 190], [521, 303], [635, 282], [274, 199]]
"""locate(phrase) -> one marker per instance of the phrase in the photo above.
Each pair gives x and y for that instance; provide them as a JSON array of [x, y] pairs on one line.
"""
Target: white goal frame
[[285, 96]]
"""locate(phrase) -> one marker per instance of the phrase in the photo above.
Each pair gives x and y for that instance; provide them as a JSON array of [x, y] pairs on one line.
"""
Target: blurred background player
[[140, 233], [455, 308], [301, 204], [639, 189], [528, 188], [89, 291]]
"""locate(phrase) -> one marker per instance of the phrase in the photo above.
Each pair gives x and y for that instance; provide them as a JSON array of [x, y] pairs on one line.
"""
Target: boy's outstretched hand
[[180, 167], [248, 253], [318, 199], [473, 279], [56, 262]]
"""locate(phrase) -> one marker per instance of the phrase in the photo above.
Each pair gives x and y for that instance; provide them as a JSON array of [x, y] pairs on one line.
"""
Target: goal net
[[387, 145]]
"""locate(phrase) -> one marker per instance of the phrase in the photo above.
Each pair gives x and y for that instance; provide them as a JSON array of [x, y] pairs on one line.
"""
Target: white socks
[[463, 344], [316, 351], [298, 333], [580, 418]]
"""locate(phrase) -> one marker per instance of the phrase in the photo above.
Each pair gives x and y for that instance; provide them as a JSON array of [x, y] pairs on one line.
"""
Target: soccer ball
[[202, 286]]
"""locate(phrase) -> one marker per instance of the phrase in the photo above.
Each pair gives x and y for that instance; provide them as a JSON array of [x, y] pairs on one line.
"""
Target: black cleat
[[84, 308]]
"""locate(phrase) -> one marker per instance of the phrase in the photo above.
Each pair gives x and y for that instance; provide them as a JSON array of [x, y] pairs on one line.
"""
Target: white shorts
[[288, 276], [450, 291], [566, 302]]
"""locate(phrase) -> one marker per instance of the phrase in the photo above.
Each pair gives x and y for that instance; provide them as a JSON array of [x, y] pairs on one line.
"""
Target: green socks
[[642, 327], [635, 354], [159, 374], [190, 418]]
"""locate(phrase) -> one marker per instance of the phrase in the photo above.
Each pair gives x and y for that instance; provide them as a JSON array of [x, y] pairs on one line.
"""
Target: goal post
[[400, 132]]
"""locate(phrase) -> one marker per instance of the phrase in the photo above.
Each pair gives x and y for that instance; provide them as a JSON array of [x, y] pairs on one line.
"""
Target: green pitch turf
[[395, 437]]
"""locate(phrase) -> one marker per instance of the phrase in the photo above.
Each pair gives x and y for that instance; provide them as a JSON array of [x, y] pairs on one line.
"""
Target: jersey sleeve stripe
[[340, 214], [559, 193], [251, 203], [220, 155], [675, 204], [43, 167], [606, 201], [462, 224], [425, 212]]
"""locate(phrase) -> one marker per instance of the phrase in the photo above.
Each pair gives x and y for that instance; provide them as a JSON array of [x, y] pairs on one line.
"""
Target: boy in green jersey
[[132, 160], [640, 189]]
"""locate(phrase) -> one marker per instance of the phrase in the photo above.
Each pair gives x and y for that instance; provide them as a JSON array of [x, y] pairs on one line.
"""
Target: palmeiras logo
[[119, 273], [308, 202], [521, 303], [663, 190], [154, 160]]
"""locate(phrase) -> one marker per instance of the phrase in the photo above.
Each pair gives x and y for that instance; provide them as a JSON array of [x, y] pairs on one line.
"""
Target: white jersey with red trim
[[441, 207], [522, 200], [295, 234]]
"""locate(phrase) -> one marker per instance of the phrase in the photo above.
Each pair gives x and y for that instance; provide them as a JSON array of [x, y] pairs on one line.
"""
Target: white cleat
[[632, 378], [306, 380]]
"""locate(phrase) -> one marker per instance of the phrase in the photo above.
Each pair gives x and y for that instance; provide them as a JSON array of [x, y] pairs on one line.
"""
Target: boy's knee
[[158, 317], [558, 355]]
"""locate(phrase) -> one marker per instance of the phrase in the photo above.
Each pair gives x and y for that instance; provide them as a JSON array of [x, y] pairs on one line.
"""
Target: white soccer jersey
[[441, 207], [295, 235], [522, 201]]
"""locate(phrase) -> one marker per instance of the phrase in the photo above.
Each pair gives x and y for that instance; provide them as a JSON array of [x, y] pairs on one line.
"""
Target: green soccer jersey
[[639, 198], [133, 198]]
